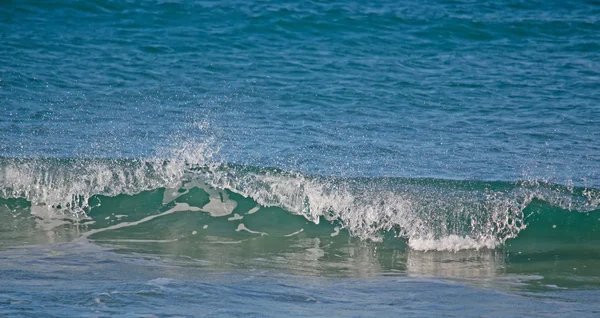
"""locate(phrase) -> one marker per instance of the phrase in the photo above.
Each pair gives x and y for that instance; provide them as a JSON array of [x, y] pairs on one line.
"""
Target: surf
[[427, 214]]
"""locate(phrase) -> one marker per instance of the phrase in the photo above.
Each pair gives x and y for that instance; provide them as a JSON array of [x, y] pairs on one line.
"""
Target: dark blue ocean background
[[469, 97], [451, 89]]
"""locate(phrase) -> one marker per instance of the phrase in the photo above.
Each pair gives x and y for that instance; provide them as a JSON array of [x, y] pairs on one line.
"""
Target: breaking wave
[[430, 214]]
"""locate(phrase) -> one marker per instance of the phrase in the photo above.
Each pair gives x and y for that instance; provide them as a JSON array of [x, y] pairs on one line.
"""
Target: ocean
[[299, 158]]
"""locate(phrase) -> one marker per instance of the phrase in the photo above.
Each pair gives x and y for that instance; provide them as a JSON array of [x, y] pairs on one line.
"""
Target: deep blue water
[[443, 88], [422, 130]]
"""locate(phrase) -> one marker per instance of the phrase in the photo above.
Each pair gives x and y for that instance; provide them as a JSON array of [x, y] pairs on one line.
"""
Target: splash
[[68, 184]]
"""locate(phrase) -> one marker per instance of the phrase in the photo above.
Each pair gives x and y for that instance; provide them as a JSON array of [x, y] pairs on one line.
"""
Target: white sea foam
[[179, 207], [295, 233], [242, 227], [254, 209], [451, 243], [336, 231], [235, 217]]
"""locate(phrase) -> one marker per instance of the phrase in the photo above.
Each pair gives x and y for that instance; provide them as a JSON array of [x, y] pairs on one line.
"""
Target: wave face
[[429, 214]]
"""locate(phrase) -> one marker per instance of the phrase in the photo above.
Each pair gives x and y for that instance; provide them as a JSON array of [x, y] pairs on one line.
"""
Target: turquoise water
[[256, 158]]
